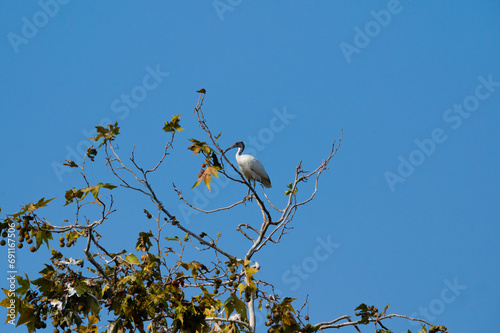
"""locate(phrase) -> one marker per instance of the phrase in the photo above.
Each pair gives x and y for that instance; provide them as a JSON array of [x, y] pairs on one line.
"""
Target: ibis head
[[249, 166]]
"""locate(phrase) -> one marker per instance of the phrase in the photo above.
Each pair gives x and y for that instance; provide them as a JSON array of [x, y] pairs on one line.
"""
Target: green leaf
[[143, 242], [173, 125], [95, 189], [289, 191], [234, 303], [73, 194], [73, 235], [47, 272], [24, 285], [27, 315], [199, 146], [81, 288], [94, 306], [42, 203], [366, 312], [43, 236], [131, 258], [126, 279], [43, 284], [80, 194], [108, 134], [423, 330], [108, 186], [32, 206]]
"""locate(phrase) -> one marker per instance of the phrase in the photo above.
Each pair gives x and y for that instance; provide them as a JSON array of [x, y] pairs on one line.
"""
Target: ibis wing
[[259, 170]]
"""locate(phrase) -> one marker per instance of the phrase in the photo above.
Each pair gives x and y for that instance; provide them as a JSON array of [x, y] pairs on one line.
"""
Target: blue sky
[[410, 201]]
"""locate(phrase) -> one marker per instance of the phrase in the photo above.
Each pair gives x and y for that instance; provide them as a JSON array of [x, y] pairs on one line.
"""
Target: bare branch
[[291, 207], [279, 210], [248, 227], [91, 259], [168, 145], [179, 193], [201, 120], [230, 321], [331, 324]]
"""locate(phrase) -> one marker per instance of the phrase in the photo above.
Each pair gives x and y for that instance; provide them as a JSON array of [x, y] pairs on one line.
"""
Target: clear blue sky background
[[412, 198]]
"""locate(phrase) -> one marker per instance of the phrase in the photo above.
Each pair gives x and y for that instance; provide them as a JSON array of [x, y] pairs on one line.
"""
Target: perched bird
[[250, 167]]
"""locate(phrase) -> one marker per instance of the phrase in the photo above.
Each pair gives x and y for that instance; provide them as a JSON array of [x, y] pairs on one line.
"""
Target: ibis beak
[[233, 146]]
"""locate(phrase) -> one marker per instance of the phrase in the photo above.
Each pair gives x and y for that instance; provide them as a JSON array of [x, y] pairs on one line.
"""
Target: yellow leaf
[[213, 171], [251, 270], [241, 288], [106, 287], [207, 181], [93, 320], [198, 182]]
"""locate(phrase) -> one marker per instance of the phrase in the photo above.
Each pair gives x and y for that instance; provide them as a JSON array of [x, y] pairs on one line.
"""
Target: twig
[[179, 193], [331, 324], [229, 321]]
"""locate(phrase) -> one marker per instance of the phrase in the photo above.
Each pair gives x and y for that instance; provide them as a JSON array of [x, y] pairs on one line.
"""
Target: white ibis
[[250, 167]]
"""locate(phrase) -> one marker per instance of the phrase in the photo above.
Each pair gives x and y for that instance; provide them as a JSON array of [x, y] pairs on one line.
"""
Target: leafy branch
[[156, 286]]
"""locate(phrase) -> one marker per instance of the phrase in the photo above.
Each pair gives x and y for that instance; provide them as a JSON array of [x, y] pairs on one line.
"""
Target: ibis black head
[[238, 144]]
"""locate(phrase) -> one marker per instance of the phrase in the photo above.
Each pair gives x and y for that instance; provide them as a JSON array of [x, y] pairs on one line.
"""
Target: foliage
[[153, 288], [173, 126]]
